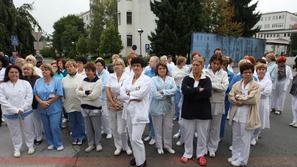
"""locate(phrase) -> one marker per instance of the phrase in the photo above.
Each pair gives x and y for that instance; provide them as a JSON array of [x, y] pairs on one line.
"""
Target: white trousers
[[214, 133], [17, 127], [135, 134], [278, 100], [37, 125], [119, 130], [241, 140], [106, 127], [163, 130], [202, 128], [294, 108]]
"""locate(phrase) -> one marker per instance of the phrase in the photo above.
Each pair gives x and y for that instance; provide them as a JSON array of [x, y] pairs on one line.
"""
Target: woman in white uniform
[[282, 78], [115, 107], [16, 99], [266, 88], [136, 93], [219, 82], [244, 114]]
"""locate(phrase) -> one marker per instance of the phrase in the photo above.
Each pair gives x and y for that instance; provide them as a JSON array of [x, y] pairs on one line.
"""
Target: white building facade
[[276, 28], [134, 15], [86, 17]]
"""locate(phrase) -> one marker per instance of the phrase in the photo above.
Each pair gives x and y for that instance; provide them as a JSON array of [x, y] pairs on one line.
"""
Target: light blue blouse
[[103, 76], [162, 104], [45, 91]]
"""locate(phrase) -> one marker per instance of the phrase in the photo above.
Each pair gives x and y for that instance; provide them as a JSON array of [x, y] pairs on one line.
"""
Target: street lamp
[[140, 31]]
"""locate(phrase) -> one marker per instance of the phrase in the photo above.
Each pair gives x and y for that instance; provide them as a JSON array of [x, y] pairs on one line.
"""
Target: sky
[[47, 12]]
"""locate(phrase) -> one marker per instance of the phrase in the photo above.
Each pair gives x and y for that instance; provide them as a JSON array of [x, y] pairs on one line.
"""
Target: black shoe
[[143, 165], [37, 142], [133, 162]]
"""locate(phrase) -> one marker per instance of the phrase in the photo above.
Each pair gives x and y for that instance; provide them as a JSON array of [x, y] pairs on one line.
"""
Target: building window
[[285, 34], [119, 18], [129, 17], [129, 40]]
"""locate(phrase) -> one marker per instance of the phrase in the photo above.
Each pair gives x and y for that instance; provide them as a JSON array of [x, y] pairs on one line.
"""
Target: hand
[[201, 89], [161, 92], [44, 104], [238, 103]]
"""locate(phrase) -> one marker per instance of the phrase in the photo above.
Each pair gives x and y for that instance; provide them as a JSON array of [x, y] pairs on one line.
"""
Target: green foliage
[[111, 42], [82, 45], [19, 22], [176, 22], [48, 52], [67, 31], [103, 12], [245, 14]]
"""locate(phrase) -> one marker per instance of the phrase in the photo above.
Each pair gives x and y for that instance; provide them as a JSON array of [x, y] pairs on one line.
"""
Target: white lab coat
[[140, 91]]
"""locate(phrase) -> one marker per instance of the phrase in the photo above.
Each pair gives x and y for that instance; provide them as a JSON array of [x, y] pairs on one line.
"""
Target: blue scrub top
[[45, 91]]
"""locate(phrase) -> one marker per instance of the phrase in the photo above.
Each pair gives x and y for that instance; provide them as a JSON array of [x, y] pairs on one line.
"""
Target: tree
[[245, 14], [176, 21], [82, 45], [67, 31], [293, 44], [226, 26], [97, 25], [18, 22], [102, 13], [110, 41]]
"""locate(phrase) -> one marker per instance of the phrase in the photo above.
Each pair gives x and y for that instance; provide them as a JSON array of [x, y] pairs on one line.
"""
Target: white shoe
[[295, 125], [152, 141], [170, 150], [117, 152], [89, 149], [98, 148], [160, 151], [292, 123], [17, 154], [31, 151], [253, 142], [230, 159], [212, 154], [50, 147], [179, 143], [129, 151], [236, 163], [60, 148], [109, 136], [177, 135], [147, 138], [230, 148]]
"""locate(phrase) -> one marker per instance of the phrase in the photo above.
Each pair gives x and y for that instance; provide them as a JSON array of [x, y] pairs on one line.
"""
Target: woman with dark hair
[[244, 114], [103, 75], [196, 111], [48, 92], [89, 92], [61, 67], [136, 94], [163, 89], [31, 76], [16, 103], [219, 82], [3, 64]]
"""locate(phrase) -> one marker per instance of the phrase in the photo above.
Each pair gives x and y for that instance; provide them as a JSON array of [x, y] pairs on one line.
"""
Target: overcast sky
[[49, 11]]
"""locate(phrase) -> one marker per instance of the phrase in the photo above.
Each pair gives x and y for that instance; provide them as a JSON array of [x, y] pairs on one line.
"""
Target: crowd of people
[[37, 99]]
